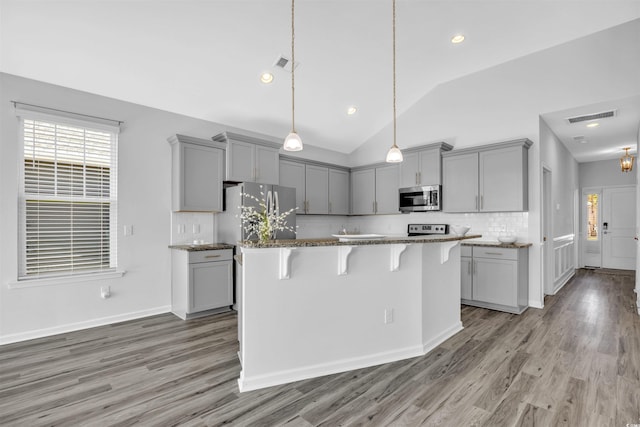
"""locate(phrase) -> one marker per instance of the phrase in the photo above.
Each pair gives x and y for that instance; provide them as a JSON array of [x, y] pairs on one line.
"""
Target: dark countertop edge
[[307, 243], [209, 247], [492, 244]]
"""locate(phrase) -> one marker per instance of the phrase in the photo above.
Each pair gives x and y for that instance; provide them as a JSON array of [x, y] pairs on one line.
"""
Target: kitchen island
[[315, 307]]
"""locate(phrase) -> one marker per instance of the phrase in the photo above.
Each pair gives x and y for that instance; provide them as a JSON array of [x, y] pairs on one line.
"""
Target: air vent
[[580, 139], [596, 116], [284, 63]]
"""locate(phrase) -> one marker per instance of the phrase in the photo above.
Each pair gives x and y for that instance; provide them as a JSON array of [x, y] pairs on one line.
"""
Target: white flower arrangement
[[262, 221]]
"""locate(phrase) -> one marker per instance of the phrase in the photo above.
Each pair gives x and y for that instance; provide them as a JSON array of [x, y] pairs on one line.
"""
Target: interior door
[[619, 227], [591, 233]]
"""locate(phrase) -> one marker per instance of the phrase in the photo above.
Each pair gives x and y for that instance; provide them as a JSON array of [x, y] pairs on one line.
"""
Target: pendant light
[[394, 155], [626, 161], [293, 142]]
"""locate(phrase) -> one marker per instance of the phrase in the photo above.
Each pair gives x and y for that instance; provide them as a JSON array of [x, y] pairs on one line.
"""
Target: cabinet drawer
[[465, 250], [498, 253], [209, 256]]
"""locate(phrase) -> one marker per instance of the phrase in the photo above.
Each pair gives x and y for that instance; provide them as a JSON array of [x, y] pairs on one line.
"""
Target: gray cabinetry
[[196, 174], [201, 282], [250, 159], [320, 188], [374, 190], [491, 178], [496, 278], [422, 165]]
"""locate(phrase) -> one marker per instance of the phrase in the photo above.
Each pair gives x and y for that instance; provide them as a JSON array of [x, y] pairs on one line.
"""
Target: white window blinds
[[68, 198]]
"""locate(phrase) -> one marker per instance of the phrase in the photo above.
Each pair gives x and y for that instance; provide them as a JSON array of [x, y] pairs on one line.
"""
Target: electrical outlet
[[181, 229], [196, 228], [105, 292], [388, 315], [128, 230]]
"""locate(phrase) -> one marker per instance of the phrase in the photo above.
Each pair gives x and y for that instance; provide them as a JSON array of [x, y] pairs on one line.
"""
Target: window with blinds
[[68, 199]]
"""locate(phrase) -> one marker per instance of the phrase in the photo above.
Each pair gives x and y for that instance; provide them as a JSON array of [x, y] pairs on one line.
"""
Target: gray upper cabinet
[[491, 178], [317, 189], [374, 190], [250, 159], [423, 165], [292, 174], [320, 188], [196, 174], [338, 192]]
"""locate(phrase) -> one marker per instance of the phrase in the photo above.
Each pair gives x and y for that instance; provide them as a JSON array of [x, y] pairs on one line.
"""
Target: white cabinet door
[[501, 180], [466, 278], [197, 178], [430, 167], [363, 191], [387, 198], [292, 174], [267, 164], [495, 281], [338, 192], [409, 169], [240, 161], [317, 189], [460, 183], [210, 285]]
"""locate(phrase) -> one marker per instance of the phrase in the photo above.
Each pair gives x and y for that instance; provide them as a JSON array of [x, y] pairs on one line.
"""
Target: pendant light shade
[[293, 142], [394, 155], [626, 161]]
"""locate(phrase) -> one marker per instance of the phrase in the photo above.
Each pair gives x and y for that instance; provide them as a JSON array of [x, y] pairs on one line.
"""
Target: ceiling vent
[[596, 116], [284, 63], [580, 139]]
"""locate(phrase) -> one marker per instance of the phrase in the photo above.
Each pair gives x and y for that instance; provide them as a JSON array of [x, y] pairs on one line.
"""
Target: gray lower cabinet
[[495, 278], [201, 282]]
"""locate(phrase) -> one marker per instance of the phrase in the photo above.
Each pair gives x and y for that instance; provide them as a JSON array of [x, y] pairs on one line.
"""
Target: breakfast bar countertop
[[494, 244], [333, 241]]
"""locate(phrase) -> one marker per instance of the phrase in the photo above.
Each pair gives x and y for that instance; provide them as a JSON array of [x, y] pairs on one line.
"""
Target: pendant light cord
[[394, 73], [293, 66]]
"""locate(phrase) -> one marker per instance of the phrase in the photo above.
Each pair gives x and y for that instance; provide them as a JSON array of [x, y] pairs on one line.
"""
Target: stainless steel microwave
[[420, 199]]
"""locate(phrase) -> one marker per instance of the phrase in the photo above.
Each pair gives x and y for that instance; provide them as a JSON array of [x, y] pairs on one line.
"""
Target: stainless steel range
[[426, 229]]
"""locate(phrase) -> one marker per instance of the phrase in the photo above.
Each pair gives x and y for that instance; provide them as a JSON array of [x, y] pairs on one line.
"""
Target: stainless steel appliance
[[278, 198], [420, 199], [426, 229]]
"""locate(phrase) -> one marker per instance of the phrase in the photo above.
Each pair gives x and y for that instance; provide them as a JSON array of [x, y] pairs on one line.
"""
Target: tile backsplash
[[186, 227]]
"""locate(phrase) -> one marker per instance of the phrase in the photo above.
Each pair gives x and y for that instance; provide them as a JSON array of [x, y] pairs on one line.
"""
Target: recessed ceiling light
[[266, 78], [352, 110], [593, 125], [458, 38]]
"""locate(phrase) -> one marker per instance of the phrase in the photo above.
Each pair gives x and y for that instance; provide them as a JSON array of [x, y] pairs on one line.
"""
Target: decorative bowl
[[460, 230], [507, 239]]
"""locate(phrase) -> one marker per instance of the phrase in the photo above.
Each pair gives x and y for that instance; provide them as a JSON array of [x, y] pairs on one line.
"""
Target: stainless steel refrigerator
[[279, 198]]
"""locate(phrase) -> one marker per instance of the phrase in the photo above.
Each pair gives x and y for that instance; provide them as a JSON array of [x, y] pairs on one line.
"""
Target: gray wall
[[605, 173]]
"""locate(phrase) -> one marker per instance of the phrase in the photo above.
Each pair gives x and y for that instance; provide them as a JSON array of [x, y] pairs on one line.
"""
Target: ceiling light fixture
[[352, 110], [458, 38], [626, 161], [293, 142], [266, 78], [593, 125], [394, 155]]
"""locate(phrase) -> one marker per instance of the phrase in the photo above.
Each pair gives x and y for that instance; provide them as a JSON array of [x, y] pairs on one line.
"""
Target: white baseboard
[[436, 341], [71, 327], [536, 304], [288, 376]]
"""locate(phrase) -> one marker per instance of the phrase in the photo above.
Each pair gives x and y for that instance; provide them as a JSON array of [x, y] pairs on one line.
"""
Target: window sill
[[52, 281]]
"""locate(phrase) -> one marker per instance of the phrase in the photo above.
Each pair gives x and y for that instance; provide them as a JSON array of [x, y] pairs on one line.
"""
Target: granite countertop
[[332, 241], [203, 247], [494, 244]]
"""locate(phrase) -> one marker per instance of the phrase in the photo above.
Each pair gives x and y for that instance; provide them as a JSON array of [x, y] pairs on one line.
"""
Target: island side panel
[[318, 322], [440, 294]]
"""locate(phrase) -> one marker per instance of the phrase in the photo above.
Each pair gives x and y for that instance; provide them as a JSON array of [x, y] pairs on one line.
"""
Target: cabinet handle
[[212, 256], [494, 253], [475, 267], [481, 202], [417, 178], [376, 202], [469, 268], [329, 207], [374, 206], [476, 202]]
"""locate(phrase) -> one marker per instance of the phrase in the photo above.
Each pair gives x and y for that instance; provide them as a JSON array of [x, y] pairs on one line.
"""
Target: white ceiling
[[203, 58], [607, 140]]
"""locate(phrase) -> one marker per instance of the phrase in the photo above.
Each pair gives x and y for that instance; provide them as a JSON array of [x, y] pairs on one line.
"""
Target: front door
[[591, 234], [618, 226]]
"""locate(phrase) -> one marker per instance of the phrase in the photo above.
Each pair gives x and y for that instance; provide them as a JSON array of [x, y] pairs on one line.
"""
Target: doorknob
[[544, 239]]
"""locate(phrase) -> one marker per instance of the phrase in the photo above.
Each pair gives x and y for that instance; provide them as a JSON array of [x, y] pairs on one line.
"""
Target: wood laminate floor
[[575, 363]]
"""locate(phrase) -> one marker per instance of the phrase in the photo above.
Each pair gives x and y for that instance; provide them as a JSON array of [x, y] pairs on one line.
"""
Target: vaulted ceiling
[[204, 58]]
